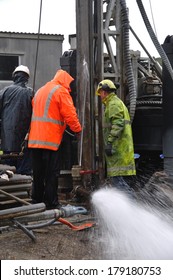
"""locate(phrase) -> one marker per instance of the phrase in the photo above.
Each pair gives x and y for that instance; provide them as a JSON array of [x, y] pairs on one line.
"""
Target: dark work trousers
[[46, 168]]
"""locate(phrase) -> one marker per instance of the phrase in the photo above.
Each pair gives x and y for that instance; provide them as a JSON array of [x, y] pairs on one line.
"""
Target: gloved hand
[[108, 149]]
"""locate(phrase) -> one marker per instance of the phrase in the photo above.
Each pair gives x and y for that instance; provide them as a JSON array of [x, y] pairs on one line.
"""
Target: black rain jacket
[[15, 113]]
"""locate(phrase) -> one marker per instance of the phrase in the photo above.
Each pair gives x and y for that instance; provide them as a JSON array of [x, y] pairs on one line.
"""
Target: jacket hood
[[108, 97], [20, 77], [63, 78]]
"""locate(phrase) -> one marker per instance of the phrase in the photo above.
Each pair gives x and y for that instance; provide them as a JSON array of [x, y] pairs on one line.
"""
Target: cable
[[127, 59], [154, 39], [153, 18], [38, 39]]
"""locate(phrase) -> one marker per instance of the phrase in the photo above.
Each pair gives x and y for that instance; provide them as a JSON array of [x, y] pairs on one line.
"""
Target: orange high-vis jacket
[[53, 109]]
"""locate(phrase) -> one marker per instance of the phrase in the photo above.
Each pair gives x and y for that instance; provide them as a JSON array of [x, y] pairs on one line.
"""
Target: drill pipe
[[22, 210], [46, 215]]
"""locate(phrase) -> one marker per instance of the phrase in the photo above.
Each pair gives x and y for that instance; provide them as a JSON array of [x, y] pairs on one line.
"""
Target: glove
[[108, 149]]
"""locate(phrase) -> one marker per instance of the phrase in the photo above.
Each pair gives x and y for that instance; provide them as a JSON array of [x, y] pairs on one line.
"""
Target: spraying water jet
[[129, 230]]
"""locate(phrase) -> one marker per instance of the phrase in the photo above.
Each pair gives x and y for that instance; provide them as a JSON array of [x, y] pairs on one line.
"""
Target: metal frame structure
[[99, 41]]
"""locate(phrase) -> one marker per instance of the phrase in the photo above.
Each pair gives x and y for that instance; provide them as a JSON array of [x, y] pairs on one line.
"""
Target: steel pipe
[[22, 210]]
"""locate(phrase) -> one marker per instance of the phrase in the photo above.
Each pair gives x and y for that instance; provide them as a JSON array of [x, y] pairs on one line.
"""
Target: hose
[[154, 39], [76, 227], [127, 60], [40, 225]]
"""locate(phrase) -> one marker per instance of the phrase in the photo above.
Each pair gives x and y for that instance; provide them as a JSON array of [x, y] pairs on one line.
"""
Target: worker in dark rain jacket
[[117, 135], [15, 112], [53, 110]]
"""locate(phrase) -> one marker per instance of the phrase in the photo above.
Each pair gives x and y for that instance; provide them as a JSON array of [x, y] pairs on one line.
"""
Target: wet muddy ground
[[56, 242], [59, 242]]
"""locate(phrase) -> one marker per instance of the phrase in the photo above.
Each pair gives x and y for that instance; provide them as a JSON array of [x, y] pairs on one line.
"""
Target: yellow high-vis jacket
[[117, 131]]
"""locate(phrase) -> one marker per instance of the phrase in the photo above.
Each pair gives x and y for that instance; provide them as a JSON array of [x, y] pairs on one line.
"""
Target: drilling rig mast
[[103, 52], [100, 48], [98, 21]]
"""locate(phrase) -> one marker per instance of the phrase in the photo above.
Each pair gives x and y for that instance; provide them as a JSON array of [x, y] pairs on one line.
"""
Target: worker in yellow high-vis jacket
[[117, 135]]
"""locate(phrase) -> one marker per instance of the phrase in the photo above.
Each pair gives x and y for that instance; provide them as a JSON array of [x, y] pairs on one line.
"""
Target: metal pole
[[167, 110], [14, 197]]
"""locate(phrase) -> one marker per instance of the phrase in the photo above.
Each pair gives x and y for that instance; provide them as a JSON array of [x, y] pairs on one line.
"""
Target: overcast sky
[[58, 17], [159, 14]]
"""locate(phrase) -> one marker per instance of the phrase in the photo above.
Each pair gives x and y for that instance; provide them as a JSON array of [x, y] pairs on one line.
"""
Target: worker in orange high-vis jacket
[[53, 110]]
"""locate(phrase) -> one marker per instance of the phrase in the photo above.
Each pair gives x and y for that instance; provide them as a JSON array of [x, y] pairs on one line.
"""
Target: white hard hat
[[22, 68]]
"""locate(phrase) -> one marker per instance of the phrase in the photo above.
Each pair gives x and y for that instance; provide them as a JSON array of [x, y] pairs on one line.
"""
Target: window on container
[[7, 65]]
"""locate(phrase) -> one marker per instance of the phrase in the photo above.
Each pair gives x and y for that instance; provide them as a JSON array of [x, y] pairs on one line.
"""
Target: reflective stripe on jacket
[[53, 109], [117, 130]]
